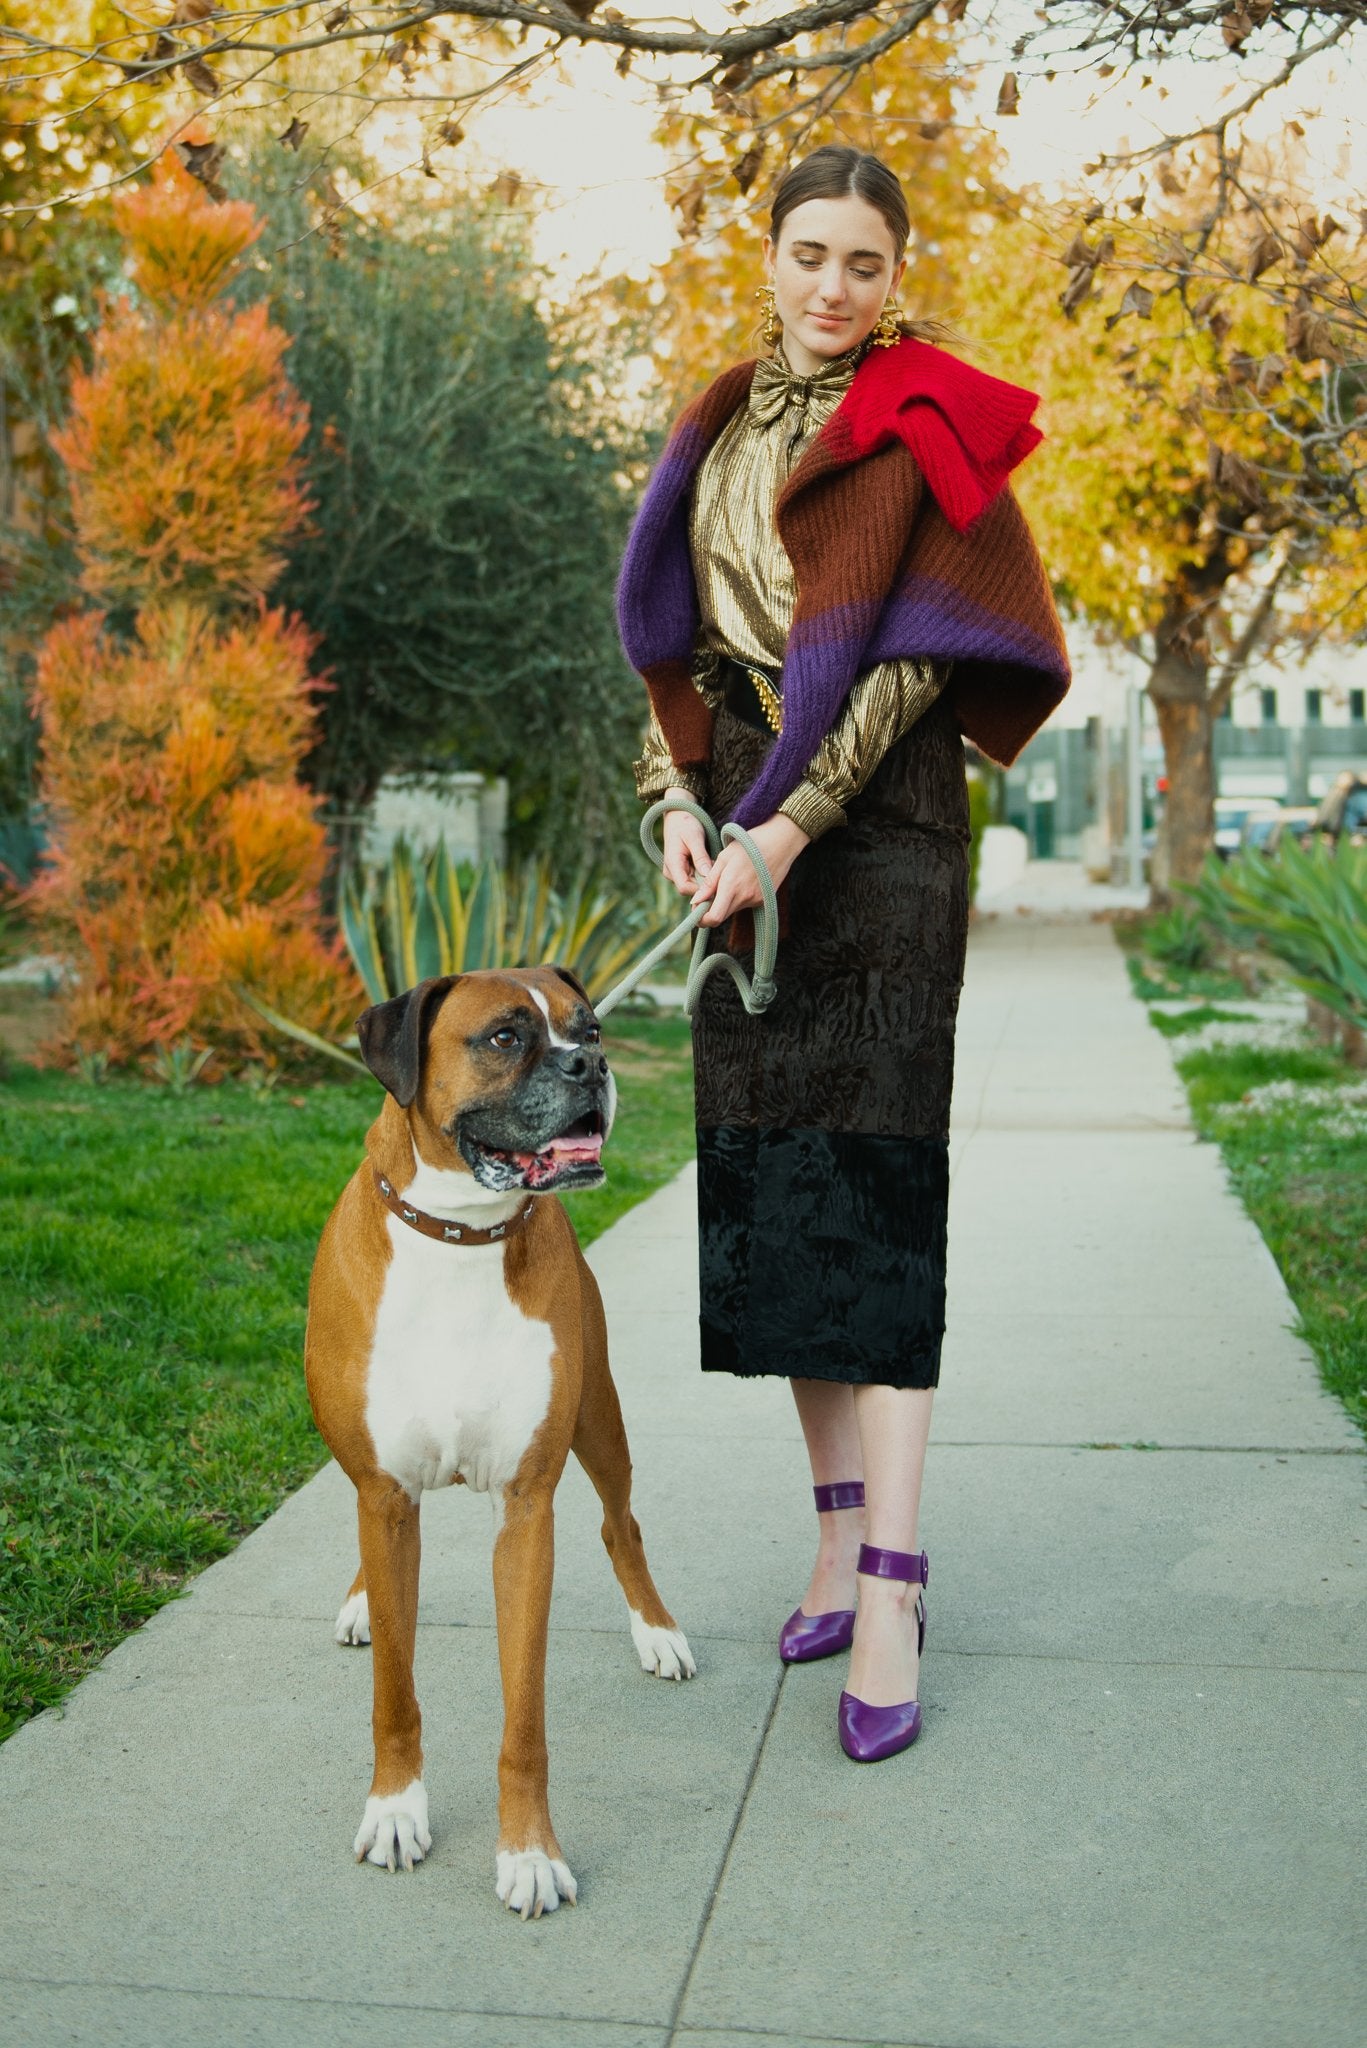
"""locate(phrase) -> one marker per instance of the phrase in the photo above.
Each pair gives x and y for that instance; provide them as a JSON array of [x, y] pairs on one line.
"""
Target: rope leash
[[756, 994]]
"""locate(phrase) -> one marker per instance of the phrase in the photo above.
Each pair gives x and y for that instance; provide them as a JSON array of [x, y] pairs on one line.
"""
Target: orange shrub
[[187, 857]]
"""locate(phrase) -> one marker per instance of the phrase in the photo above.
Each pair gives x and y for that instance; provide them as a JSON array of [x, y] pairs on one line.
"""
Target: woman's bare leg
[[893, 1425], [826, 1411]]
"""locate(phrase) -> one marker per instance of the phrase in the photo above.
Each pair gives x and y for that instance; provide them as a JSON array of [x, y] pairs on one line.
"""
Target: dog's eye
[[593, 1036], [504, 1039]]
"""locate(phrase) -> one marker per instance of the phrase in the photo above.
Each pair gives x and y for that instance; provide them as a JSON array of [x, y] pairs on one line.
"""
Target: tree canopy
[[471, 482]]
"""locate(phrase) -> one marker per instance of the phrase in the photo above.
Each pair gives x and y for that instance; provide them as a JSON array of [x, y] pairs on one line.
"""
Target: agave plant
[[423, 915], [1308, 908], [419, 917]]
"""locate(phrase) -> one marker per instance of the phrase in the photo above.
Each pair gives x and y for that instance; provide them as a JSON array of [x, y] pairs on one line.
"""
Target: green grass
[[1305, 1189], [1155, 981], [1165, 978], [155, 1251], [1180, 1023]]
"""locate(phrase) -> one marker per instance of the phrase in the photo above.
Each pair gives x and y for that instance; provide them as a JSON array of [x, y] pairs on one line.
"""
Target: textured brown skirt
[[823, 1125]]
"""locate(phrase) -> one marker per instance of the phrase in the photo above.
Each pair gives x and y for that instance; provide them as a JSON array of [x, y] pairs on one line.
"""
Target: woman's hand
[[687, 861], [733, 884]]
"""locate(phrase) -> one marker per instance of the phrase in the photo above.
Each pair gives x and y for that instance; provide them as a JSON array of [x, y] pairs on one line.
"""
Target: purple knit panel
[[823, 658], [927, 617], [657, 603]]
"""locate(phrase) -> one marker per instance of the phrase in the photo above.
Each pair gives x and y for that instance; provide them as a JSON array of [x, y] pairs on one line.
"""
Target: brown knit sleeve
[[657, 770], [883, 705]]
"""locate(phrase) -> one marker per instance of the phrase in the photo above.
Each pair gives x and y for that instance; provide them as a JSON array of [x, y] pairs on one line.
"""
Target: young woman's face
[[832, 271]]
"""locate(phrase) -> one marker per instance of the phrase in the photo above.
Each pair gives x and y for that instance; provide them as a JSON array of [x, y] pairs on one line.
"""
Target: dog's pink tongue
[[544, 1165], [577, 1148]]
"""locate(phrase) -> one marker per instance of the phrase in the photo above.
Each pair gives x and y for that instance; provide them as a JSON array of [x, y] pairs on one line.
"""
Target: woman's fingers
[[686, 862], [731, 886]]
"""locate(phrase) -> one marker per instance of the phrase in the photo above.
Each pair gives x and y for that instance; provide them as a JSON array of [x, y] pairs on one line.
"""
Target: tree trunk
[[1181, 699], [1189, 813]]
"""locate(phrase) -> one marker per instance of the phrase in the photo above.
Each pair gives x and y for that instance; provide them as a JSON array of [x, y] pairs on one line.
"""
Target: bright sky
[[585, 140]]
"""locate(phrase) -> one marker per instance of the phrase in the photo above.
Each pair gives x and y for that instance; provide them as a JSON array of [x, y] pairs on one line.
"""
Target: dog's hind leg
[[352, 1626], [394, 1826], [600, 1444]]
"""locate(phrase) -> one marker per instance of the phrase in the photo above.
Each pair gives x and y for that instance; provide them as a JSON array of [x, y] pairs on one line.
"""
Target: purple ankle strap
[[842, 1493], [911, 1565]]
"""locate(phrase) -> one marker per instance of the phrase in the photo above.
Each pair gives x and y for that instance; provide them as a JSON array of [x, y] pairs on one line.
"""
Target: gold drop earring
[[889, 329], [773, 326]]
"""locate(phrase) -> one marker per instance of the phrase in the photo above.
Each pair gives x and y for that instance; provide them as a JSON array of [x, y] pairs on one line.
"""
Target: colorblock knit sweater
[[905, 540]]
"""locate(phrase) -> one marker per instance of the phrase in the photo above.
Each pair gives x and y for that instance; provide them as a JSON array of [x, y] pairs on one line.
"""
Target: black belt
[[746, 686]]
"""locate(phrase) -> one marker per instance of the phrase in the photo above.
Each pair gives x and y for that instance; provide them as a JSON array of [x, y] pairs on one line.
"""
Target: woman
[[828, 583]]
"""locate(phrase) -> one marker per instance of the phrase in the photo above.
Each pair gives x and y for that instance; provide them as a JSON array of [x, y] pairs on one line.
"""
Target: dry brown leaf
[[1077, 288], [1266, 251], [338, 18], [1008, 98], [451, 132], [294, 134], [1137, 299], [200, 75], [745, 168], [931, 131], [191, 10], [203, 160], [1236, 26], [1271, 370]]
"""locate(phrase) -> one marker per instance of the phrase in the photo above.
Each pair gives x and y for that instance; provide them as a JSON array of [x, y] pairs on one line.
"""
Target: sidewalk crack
[[724, 1863]]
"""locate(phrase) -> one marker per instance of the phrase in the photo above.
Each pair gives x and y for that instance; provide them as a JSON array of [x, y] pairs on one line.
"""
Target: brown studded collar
[[438, 1228]]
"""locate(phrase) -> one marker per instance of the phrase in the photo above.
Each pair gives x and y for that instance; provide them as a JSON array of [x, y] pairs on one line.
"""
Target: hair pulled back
[[838, 171]]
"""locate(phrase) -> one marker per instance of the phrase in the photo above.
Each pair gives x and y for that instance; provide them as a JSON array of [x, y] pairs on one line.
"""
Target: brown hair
[[837, 171]]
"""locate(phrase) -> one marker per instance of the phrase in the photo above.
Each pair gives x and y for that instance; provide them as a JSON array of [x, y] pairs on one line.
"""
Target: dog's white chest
[[460, 1379]]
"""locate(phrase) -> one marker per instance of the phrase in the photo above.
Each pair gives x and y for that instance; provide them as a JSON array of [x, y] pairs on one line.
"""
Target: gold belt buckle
[[770, 703]]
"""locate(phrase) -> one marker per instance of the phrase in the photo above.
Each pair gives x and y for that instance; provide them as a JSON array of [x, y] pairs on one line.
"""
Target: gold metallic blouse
[[747, 591]]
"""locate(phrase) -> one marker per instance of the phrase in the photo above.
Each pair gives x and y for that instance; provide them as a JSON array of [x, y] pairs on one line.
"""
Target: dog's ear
[[394, 1034], [573, 979]]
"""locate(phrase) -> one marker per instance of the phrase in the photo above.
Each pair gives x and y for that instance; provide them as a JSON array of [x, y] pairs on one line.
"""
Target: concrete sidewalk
[[1134, 1816]]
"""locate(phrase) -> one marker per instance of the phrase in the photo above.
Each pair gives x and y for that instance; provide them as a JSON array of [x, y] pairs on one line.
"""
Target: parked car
[[1296, 822], [1264, 831], [1232, 813], [1342, 816]]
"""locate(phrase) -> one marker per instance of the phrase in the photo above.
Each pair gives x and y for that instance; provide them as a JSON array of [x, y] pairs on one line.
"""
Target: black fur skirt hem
[[823, 1125], [822, 1255]]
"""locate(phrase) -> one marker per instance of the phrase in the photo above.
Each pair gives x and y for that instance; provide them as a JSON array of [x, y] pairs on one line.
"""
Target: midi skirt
[[823, 1125]]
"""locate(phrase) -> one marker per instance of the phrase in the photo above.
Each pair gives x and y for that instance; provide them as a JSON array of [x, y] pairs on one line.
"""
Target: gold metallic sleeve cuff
[[811, 810]]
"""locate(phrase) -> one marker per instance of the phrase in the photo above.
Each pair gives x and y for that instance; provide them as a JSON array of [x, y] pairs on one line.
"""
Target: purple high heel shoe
[[868, 1734], [805, 1637]]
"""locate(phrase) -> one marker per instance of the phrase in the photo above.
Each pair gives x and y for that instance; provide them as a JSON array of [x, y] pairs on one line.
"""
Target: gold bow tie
[[776, 387]]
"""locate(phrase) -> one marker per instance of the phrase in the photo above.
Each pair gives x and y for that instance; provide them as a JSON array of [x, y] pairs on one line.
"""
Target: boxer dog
[[456, 1337]]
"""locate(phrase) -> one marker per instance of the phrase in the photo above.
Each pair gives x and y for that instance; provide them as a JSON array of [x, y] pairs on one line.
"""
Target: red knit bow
[[967, 430]]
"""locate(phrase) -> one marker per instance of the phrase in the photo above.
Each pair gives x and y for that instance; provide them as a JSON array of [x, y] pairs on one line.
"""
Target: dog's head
[[501, 1072]]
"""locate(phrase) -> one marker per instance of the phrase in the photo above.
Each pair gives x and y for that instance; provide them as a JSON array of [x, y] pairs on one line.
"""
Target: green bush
[[1178, 938], [417, 917], [414, 918], [980, 809], [1307, 908], [473, 473]]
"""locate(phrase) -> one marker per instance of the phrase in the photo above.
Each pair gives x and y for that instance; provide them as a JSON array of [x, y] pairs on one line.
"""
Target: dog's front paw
[[352, 1625], [394, 1829], [663, 1652], [531, 1883]]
